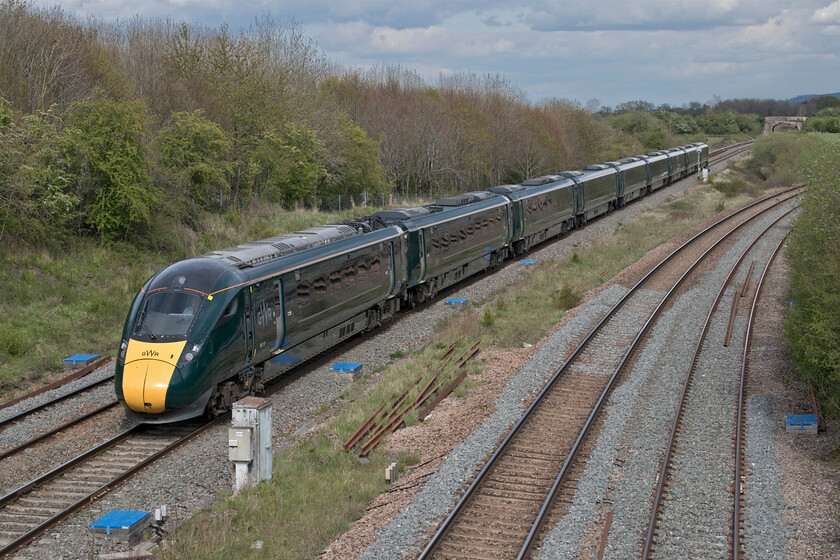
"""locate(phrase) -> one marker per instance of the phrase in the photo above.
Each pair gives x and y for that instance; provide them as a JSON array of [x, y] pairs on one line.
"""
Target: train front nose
[[150, 373]]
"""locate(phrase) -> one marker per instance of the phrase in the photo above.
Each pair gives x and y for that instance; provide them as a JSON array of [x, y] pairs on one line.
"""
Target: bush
[[565, 298], [11, 342], [105, 144], [194, 153], [812, 327]]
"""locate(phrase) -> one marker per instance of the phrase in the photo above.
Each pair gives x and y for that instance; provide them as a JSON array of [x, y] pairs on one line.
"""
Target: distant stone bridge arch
[[773, 123]]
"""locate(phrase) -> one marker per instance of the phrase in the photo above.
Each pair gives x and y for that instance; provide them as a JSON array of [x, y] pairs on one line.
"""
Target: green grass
[[319, 489]]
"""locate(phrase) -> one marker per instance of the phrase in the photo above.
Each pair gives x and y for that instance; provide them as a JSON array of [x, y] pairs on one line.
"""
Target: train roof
[[539, 181], [631, 159], [396, 215], [444, 214], [507, 189], [465, 198], [249, 254]]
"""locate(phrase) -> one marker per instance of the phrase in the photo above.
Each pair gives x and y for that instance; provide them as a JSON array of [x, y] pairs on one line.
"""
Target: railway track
[[688, 463], [60, 398], [35, 507], [503, 510], [723, 154], [15, 542]]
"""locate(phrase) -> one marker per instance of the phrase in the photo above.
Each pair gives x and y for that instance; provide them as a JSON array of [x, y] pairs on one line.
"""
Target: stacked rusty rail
[[391, 415]]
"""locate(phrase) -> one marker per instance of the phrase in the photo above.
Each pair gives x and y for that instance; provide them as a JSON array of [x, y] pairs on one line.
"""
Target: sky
[[597, 52]]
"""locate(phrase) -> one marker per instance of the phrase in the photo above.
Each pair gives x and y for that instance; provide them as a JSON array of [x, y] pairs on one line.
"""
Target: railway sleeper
[[56, 495], [482, 530], [445, 552], [511, 507], [524, 472], [22, 522], [489, 528], [18, 509]]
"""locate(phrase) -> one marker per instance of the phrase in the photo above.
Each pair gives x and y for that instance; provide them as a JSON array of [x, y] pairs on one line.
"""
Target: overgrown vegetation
[[813, 323]]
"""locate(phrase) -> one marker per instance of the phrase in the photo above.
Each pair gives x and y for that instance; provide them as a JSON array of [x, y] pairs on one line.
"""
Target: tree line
[[120, 130]]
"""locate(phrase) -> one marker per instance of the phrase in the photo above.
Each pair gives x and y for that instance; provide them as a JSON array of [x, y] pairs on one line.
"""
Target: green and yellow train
[[206, 331]]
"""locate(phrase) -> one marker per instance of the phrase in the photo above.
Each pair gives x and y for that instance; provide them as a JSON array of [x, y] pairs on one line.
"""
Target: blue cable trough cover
[[347, 367], [528, 262], [79, 360], [456, 301], [801, 423], [121, 523]]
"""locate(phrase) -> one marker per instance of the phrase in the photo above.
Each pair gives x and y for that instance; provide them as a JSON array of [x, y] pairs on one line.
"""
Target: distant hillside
[[808, 97]]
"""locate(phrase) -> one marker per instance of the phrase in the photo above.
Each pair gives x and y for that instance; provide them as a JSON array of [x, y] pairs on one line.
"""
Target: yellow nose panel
[[147, 373], [168, 352]]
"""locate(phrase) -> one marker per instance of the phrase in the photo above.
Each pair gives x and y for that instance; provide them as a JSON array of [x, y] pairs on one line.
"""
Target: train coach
[[206, 331]]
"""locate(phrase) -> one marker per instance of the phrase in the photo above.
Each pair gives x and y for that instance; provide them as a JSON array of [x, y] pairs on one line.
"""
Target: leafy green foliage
[[813, 324], [356, 167], [36, 198], [194, 153], [105, 144], [285, 166]]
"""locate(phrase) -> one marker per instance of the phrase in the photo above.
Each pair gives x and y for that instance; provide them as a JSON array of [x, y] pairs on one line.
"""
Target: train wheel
[[227, 393]]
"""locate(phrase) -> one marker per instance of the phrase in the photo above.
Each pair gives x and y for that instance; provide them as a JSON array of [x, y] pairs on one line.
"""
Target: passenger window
[[453, 238], [444, 242], [363, 271], [469, 229], [335, 282], [462, 233], [375, 267], [435, 245], [320, 287], [303, 294], [349, 276]]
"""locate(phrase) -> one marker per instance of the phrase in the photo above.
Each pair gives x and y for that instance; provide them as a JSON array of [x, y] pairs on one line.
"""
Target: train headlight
[[190, 354], [121, 354]]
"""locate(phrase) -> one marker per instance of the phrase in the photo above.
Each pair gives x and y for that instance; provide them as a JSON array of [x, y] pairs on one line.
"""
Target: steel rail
[[663, 470], [445, 526], [55, 400], [561, 476], [33, 533], [744, 360], [58, 383], [69, 424]]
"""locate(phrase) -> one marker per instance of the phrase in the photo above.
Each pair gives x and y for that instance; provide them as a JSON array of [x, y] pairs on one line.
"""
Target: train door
[[249, 324], [389, 254], [266, 304], [279, 315]]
